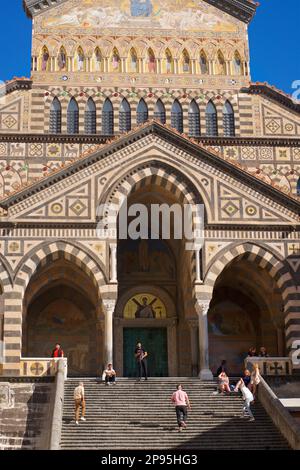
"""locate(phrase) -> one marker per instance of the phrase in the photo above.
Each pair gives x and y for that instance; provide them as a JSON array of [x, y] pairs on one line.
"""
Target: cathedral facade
[[151, 101]]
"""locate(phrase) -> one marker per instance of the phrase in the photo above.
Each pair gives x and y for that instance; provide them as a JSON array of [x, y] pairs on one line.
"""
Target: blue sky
[[274, 42]]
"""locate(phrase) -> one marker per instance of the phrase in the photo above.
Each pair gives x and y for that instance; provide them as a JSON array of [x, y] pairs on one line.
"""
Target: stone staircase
[[139, 416], [24, 420]]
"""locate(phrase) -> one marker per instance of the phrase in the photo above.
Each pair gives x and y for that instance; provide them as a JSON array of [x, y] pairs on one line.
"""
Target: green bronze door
[[154, 341]]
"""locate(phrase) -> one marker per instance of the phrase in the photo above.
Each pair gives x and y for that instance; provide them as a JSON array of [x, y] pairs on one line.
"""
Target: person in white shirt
[[109, 375], [79, 399], [248, 398]]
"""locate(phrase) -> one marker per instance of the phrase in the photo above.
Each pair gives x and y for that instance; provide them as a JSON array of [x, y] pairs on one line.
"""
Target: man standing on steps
[[182, 404], [141, 361], [79, 399]]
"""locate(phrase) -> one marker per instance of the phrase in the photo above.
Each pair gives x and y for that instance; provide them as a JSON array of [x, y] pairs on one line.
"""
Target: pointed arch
[[142, 112], [185, 62], [221, 64], [211, 120], [151, 60], [237, 64], [115, 61], [203, 62], [133, 61], [228, 120], [73, 117], [160, 111], [194, 119], [55, 117], [177, 116], [125, 116], [98, 62], [90, 117], [45, 63], [108, 118], [169, 62], [62, 59]]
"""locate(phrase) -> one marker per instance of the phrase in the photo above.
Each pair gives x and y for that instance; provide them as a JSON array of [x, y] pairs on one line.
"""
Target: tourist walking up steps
[[247, 396], [79, 399], [255, 379], [182, 403]]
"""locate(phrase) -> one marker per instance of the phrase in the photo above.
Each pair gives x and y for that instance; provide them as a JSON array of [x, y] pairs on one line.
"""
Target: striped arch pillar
[[12, 330]]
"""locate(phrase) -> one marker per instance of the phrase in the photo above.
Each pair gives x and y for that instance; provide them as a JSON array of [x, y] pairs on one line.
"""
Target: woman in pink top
[[182, 404]]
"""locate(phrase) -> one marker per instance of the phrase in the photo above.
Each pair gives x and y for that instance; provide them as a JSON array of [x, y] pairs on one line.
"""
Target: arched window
[[177, 116], [73, 117], [211, 120], [133, 61], [298, 188], [186, 62], [62, 59], [116, 61], [125, 116], [194, 119], [90, 117], [160, 112], [221, 64], [80, 60], [142, 112], [237, 64], [107, 118], [203, 63], [228, 120], [55, 117], [45, 60], [98, 60], [151, 61], [169, 62]]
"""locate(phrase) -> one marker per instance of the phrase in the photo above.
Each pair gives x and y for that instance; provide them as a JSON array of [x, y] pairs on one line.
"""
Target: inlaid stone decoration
[[7, 396]]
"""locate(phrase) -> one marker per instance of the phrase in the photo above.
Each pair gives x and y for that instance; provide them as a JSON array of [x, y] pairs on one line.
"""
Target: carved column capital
[[202, 306], [109, 305]]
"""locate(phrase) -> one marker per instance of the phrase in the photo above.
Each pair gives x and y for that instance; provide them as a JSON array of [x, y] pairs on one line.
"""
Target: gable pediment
[[243, 10], [230, 194]]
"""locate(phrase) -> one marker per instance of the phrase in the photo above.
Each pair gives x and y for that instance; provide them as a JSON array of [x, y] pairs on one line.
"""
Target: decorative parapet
[[273, 366], [41, 367]]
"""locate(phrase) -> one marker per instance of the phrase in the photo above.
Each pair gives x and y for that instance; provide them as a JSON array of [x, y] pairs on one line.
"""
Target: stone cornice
[[15, 84], [102, 139], [172, 137], [274, 94], [244, 10]]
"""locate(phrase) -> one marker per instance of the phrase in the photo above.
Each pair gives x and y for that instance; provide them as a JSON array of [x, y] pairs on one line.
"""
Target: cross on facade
[[276, 368], [37, 368]]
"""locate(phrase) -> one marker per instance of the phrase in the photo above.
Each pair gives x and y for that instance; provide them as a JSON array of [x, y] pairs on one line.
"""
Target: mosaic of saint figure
[[115, 61], [144, 310], [62, 60], [151, 63], [141, 8], [80, 60], [45, 60], [98, 60]]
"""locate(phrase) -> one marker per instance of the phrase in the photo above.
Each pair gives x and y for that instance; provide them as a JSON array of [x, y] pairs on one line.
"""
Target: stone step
[[116, 419]]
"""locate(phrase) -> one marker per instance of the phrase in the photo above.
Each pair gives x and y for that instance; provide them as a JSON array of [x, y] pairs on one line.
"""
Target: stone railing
[[280, 416], [273, 366], [41, 367]]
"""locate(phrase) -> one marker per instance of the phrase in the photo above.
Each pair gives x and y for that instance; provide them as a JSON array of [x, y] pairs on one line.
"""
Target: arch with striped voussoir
[[49, 252], [262, 256]]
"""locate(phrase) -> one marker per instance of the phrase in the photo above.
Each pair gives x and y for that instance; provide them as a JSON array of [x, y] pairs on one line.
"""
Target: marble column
[[113, 263], [193, 325], [109, 308], [202, 308]]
